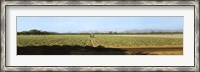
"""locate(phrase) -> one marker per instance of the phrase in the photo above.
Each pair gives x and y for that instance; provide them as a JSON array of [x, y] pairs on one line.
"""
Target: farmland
[[50, 40], [101, 44]]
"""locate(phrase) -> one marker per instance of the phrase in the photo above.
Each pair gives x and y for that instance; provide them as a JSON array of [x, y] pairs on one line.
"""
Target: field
[[165, 44], [50, 40]]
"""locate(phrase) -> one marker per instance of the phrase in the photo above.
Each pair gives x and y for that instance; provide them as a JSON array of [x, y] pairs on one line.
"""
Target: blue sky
[[101, 24]]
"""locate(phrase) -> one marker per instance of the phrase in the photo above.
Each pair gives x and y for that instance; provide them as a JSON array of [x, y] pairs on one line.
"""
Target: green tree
[[110, 32]]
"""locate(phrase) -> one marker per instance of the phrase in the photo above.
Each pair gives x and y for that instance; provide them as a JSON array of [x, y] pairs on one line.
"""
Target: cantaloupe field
[[133, 44]]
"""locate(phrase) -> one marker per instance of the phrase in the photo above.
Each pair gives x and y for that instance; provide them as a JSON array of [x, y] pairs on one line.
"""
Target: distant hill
[[150, 30], [135, 31]]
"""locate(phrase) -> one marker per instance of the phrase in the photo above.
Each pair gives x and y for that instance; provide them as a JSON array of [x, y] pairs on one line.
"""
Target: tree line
[[36, 32], [39, 32]]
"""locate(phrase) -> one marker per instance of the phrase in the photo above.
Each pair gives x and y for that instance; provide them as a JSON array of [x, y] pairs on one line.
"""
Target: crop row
[[118, 41], [99, 40], [50, 40]]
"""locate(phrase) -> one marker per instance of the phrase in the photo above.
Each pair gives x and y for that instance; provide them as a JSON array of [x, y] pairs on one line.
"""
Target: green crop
[[99, 40], [50, 40], [132, 41]]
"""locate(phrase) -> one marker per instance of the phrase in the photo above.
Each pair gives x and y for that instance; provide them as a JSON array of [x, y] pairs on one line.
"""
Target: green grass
[[99, 40]]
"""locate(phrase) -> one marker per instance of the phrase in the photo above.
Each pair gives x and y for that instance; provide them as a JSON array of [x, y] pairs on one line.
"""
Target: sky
[[100, 24]]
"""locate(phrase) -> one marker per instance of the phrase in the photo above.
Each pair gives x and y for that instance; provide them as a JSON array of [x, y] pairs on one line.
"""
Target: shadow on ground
[[71, 50]]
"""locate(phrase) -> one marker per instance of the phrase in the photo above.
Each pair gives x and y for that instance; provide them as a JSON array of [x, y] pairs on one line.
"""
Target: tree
[[110, 32], [35, 31]]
